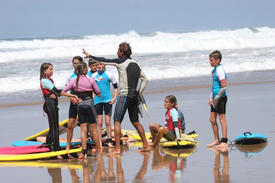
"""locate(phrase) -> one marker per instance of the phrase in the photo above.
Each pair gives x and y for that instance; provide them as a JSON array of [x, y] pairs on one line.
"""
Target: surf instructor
[[129, 73]]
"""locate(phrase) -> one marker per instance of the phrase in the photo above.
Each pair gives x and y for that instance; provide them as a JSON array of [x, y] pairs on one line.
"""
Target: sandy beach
[[249, 108]]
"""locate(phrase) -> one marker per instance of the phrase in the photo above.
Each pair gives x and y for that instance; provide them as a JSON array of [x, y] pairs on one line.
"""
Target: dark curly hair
[[125, 48]]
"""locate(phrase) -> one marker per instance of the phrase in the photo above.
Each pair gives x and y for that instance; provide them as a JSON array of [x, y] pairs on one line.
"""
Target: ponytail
[[80, 67]]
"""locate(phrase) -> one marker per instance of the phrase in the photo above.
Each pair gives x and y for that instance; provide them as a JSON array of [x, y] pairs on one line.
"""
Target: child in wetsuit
[[84, 86], [93, 66], [171, 131], [50, 94], [218, 100]]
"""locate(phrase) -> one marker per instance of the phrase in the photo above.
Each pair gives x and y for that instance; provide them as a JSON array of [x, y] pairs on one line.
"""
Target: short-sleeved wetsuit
[[218, 74], [103, 80]]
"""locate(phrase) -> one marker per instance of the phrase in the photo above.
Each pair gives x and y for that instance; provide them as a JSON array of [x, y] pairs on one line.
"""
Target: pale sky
[[64, 18]]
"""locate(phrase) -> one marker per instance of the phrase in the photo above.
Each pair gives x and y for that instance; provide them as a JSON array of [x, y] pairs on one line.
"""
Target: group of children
[[87, 102], [90, 96]]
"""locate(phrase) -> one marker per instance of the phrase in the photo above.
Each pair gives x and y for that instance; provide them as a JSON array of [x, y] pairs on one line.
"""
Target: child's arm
[[47, 84], [222, 77], [63, 92], [175, 118], [222, 90]]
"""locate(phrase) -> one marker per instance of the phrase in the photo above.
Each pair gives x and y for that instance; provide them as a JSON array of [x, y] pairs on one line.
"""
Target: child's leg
[[108, 126], [50, 107], [213, 121], [223, 125], [224, 131], [83, 127], [71, 124], [162, 131], [99, 125], [109, 129], [154, 128], [94, 133]]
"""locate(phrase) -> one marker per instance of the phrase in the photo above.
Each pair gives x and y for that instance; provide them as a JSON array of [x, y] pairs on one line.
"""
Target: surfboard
[[251, 149], [250, 138], [63, 127], [20, 150], [19, 147], [135, 136], [177, 145], [20, 157], [31, 143], [186, 142], [143, 103]]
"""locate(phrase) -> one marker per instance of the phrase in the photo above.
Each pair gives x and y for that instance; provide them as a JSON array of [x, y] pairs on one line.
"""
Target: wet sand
[[249, 108]]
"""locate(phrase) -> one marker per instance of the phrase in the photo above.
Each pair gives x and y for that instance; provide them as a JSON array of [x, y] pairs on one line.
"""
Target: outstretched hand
[[87, 55]]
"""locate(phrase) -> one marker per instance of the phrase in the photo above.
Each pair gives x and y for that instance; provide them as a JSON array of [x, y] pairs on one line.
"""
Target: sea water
[[161, 55]]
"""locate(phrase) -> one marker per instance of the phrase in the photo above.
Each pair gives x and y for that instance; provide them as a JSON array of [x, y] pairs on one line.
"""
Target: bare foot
[[94, 150], [110, 145], [59, 157], [222, 145], [216, 142], [145, 149], [116, 152], [70, 156], [150, 144], [82, 156]]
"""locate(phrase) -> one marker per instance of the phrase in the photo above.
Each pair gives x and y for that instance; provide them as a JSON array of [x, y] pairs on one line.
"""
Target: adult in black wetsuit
[[129, 73]]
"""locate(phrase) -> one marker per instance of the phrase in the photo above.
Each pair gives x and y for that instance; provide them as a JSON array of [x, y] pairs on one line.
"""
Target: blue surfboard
[[62, 144], [250, 138]]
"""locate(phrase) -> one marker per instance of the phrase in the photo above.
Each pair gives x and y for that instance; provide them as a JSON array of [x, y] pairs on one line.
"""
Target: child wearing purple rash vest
[[84, 88]]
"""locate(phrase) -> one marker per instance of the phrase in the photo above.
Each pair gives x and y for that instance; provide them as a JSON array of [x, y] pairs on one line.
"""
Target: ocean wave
[[158, 42]]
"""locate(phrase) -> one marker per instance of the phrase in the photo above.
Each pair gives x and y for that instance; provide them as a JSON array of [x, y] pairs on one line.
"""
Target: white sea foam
[[158, 42], [161, 55]]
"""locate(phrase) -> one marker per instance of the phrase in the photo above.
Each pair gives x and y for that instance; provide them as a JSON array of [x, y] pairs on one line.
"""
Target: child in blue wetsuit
[[104, 103], [50, 94], [218, 99], [171, 130]]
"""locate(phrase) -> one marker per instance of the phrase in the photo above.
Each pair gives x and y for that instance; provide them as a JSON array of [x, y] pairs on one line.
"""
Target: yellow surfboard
[[134, 134], [185, 142], [34, 156], [62, 129]]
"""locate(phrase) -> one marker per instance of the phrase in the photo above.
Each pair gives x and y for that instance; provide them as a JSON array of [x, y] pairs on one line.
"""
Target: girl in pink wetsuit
[[84, 87]]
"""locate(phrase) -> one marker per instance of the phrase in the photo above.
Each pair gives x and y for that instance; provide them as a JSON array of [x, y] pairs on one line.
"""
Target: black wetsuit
[[51, 109], [129, 73]]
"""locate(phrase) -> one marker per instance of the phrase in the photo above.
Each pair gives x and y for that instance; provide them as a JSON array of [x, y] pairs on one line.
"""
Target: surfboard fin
[[143, 102]]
